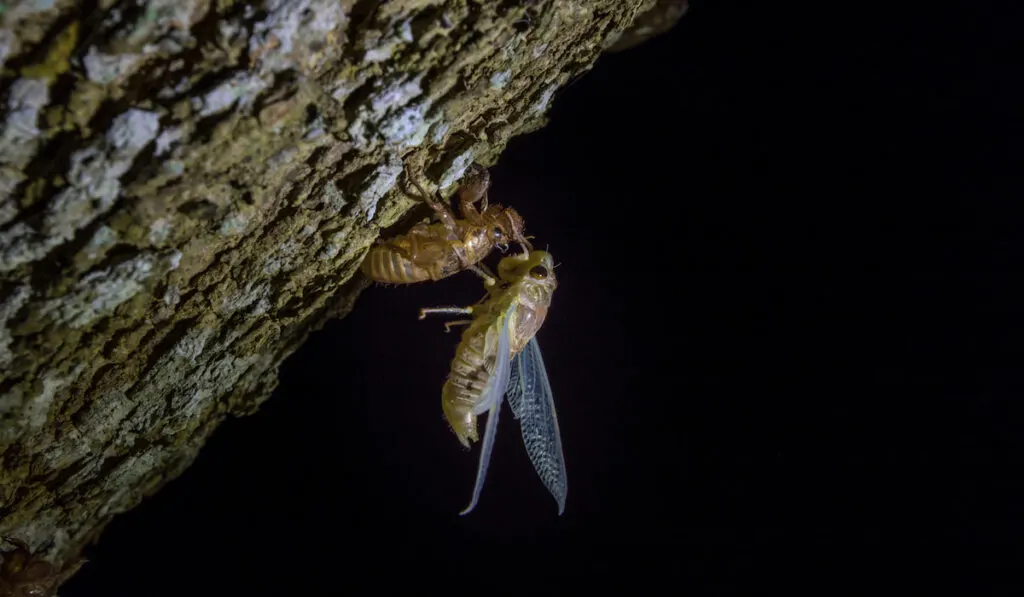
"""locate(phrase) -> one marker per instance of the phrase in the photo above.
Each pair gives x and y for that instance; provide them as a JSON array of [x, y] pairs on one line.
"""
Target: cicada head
[[531, 276], [515, 228], [536, 266], [506, 226]]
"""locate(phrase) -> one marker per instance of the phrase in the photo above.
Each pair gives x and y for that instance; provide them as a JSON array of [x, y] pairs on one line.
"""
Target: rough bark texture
[[653, 18], [187, 188]]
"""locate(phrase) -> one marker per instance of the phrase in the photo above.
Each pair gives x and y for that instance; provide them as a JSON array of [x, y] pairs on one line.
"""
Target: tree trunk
[[187, 189]]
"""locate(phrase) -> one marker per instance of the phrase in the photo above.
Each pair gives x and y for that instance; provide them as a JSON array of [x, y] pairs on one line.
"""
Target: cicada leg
[[445, 311], [472, 191], [447, 219], [399, 249], [481, 270], [487, 271], [443, 213], [448, 324]]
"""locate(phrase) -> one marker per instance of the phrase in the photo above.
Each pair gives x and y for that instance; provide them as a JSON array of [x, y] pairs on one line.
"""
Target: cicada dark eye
[[539, 272]]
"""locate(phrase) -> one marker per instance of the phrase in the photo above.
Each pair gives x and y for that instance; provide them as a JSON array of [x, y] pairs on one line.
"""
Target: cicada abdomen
[[420, 255]]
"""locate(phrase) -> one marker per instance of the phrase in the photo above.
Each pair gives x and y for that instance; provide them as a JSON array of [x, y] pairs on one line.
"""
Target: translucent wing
[[495, 390], [533, 404], [514, 396]]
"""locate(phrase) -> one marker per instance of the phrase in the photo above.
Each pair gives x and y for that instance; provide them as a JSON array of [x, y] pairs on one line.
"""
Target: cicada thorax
[[534, 287], [526, 322]]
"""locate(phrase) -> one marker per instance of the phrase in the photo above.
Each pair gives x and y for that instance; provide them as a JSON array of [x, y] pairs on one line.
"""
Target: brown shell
[[436, 251]]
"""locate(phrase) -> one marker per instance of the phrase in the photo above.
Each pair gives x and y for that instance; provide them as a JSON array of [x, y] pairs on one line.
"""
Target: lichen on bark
[[187, 189]]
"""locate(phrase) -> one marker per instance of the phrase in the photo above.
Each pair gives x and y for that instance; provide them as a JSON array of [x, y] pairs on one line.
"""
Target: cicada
[[432, 251], [498, 357]]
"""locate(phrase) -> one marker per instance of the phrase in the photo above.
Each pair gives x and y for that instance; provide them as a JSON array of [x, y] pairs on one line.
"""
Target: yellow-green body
[[521, 301]]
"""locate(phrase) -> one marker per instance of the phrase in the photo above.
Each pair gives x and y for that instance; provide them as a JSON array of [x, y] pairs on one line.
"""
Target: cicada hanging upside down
[[450, 245], [499, 357]]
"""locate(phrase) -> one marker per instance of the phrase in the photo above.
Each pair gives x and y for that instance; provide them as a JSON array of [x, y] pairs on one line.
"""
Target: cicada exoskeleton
[[433, 251]]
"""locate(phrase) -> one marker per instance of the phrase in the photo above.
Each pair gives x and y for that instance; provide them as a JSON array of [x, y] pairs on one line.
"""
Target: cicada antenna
[[525, 243]]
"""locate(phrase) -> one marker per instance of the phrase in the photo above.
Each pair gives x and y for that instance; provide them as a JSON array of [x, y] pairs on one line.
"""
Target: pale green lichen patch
[[105, 68], [9, 307], [20, 135], [380, 182], [94, 184], [25, 409], [457, 169], [301, 35], [388, 98], [241, 89], [540, 106], [100, 292]]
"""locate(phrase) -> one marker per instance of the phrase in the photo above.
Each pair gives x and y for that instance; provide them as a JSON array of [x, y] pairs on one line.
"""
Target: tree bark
[[653, 18], [187, 189]]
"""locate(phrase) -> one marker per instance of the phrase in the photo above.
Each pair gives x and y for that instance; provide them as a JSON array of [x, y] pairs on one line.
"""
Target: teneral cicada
[[432, 251], [499, 357]]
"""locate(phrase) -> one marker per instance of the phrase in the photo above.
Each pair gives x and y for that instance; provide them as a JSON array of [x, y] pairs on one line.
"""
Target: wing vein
[[539, 422]]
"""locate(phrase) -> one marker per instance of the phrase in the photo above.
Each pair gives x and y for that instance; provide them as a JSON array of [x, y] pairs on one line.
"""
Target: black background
[[785, 347]]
